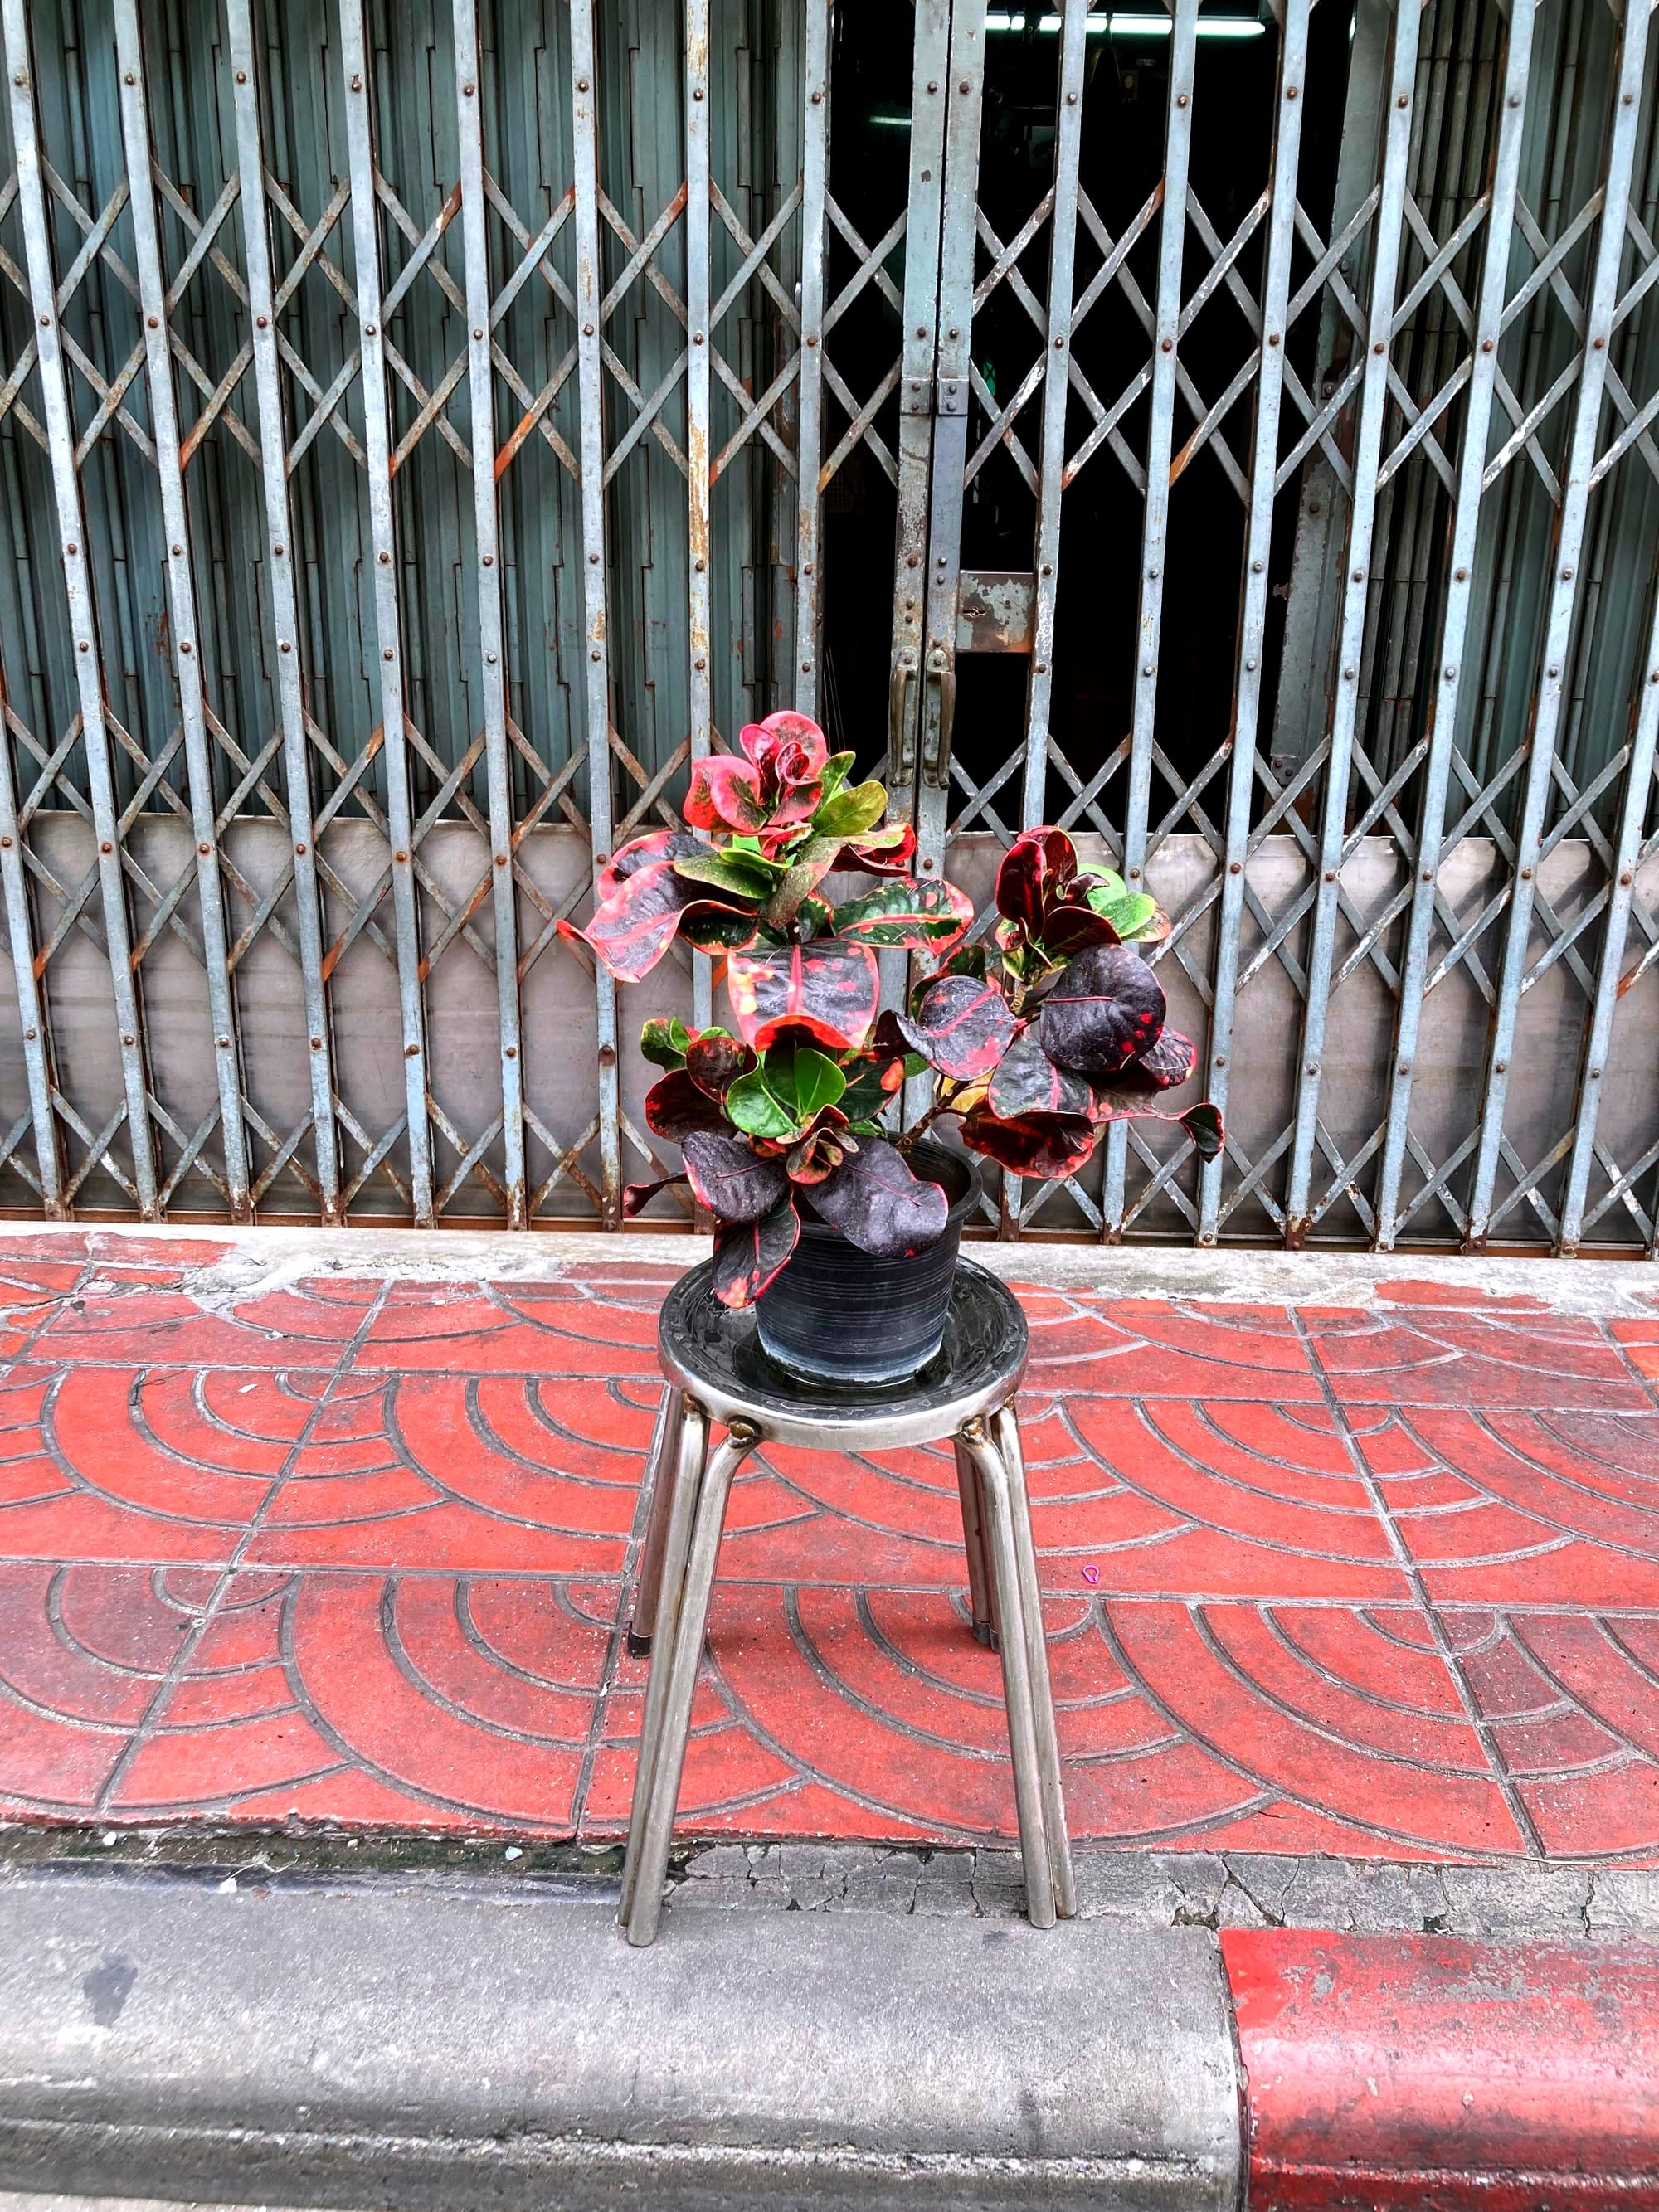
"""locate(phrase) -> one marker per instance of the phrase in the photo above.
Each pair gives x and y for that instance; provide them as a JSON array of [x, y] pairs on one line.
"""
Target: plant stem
[[920, 1129]]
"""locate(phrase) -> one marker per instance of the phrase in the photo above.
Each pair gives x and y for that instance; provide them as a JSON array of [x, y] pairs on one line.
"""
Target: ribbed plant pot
[[837, 1314]]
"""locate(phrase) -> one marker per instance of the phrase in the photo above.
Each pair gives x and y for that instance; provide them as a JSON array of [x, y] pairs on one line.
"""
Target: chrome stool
[[716, 1372]]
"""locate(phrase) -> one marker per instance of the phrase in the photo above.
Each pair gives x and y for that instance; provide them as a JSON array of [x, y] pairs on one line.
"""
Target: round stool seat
[[716, 1355]]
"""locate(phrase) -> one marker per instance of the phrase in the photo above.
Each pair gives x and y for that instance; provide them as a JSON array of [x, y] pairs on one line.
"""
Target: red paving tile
[[1382, 1583]]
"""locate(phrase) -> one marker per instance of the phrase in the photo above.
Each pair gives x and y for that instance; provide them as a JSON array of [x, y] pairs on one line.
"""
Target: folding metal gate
[[425, 430]]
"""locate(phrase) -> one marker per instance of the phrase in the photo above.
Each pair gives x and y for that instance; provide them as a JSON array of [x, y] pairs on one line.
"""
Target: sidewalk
[[284, 1538]]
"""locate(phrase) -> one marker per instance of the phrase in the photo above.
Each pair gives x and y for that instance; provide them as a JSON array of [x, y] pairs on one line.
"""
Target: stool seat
[[716, 1372], [716, 1355]]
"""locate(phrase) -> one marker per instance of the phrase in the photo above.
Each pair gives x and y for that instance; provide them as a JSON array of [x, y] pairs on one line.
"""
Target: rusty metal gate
[[1229, 432]]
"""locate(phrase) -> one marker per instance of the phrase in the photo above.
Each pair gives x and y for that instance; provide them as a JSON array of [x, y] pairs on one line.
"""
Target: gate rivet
[[1169, 345], [1360, 576], [400, 857], [384, 560], [277, 550], [1566, 576], [1405, 1067], [84, 647], [1500, 1068], [241, 76], [477, 330], [587, 329], [488, 560], [1330, 875], [963, 87], [1462, 575], [1047, 568], [300, 849], [71, 547], [223, 1043], [1526, 875], [204, 850], [595, 654], [1132, 871], [1313, 1067], [1428, 875], [129, 78], [1553, 671], [607, 1055], [509, 1052], [1236, 867], [501, 859], [1347, 676], [1071, 99], [1290, 91], [806, 668], [1626, 877], [152, 322], [490, 658], [1450, 673], [1249, 666], [817, 99], [125, 1039], [356, 84], [186, 647], [177, 549], [387, 655], [1180, 100], [282, 645], [700, 663], [581, 84], [933, 84], [1272, 337], [1402, 101], [1040, 666], [697, 93], [1147, 668], [411, 1052], [30, 1036], [6, 841], [699, 564], [467, 90], [316, 1044]]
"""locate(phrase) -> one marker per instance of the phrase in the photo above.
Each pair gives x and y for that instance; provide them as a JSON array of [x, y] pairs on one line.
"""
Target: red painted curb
[[1388, 2071]]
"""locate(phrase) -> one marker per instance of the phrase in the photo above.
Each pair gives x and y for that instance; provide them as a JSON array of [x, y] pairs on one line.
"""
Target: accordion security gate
[[424, 432]]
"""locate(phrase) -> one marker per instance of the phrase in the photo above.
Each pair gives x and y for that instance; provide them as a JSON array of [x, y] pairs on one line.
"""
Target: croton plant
[[1038, 1033]]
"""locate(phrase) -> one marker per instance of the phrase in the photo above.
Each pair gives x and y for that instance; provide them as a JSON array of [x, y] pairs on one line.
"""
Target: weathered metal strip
[[77, 579], [181, 593], [1374, 392], [280, 567], [1253, 623], [1056, 382], [388, 624], [1446, 689], [1609, 978], [32, 1011], [1155, 514], [1563, 602], [492, 642], [809, 492], [589, 342], [698, 480]]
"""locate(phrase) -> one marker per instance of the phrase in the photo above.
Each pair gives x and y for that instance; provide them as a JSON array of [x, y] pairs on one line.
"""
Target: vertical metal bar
[[1155, 520], [1563, 605], [1379, 331], [1638, 791], [30, 999], [929, 105], [377, 446], [1447, 685], [187, 627], [809, 504], [1252, 619], [285, 609], [584, 99], [699, 682], [491, 628], [965, 92], [77, 579], [1056, 384]]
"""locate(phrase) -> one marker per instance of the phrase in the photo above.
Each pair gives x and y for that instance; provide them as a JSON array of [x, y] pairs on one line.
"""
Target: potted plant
[[1037, 1035]]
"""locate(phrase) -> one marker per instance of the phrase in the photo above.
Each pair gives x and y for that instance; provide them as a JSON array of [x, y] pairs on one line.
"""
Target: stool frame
[[690, 1485]]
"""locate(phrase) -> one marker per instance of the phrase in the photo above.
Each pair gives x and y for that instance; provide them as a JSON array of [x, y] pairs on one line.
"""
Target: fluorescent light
[[1132, 27]]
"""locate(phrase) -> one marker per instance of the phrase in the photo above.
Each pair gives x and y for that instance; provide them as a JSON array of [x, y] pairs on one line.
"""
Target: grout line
[[1512, 1798], [209, 1612], [1647, 1383]]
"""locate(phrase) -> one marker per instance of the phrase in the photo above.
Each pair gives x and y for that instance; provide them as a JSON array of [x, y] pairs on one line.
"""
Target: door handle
[[901, 730], [936, 755]]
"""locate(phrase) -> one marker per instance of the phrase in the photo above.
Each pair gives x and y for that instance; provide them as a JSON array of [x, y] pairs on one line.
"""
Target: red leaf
[[1042, 1144], [714, 1063], [1106, 1008], [962, 1026], [1028, 1082], [725, 793], [1068, 929], [675, 1106], [749, 1255], [769, 740], [729, 1177], [1034, 867], [878, 1205], [887, 852], [828, 990], [641, 904], [636, 1196]]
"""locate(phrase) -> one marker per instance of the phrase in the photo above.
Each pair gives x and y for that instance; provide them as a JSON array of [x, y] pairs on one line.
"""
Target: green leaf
[[906, 913], [1127, 915], [753, 1106], [663, 1041], [1104, 890], [914, 1065], [849, 812], [818, 1081], [738, 875], [836, 769]]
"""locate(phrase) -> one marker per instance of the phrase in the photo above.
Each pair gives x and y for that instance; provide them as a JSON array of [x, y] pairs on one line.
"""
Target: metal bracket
[[996, 610]]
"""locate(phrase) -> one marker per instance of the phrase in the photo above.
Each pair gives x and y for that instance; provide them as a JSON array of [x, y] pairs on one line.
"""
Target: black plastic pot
[[836, 1314]]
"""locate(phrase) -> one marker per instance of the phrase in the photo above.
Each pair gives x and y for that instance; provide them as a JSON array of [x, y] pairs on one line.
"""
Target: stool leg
[[685, 1656], [660, 1483], [1005, 1428], [981, 1591], [1015, 1677], [682, 1492]]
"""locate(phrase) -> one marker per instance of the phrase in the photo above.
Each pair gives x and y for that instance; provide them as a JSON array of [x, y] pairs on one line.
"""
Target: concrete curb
[[299, 2045], [303, 2043]]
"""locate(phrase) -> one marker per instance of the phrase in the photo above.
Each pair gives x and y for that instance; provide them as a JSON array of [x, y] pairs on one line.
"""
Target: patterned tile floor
[[1382, 1581]]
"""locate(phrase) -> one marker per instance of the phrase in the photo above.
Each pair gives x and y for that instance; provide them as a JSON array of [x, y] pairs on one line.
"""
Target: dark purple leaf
[[1069, 929], [1204, 1125], [729, 1177], [1035, 866], [826, 990], [749, 1255], [1028, 1082], [961, 1025], [1041, 1144], [1106, 1007], [1169, 1062], [638, 1195], [713, 1063], [675, 1106], [877, 1203]]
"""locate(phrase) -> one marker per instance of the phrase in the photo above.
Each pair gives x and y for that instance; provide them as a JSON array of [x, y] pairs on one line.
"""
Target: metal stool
[[716, 1372]]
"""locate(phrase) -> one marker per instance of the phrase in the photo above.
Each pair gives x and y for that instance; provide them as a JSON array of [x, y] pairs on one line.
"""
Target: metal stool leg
[[1004, 1430], [678, 1661], [981, 1597], [1015, 1677], [681, 1486], [659, 1484]]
